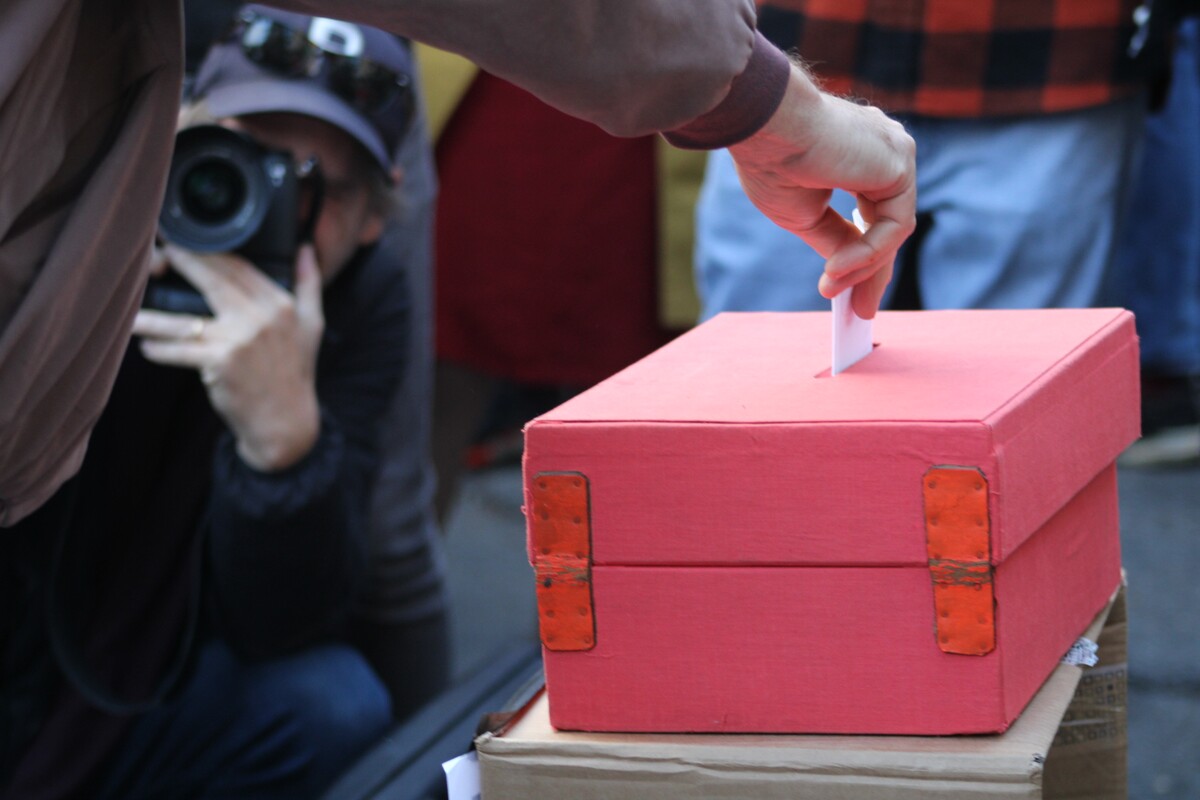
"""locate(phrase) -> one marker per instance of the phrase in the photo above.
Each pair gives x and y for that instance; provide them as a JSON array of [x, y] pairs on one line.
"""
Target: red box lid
[[733, 445]]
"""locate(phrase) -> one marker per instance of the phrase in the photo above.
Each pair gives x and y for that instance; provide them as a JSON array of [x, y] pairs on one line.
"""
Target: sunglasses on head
[[330, 51]]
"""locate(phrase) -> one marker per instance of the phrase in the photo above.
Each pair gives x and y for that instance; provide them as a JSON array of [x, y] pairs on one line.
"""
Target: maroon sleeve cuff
[[752, 99]]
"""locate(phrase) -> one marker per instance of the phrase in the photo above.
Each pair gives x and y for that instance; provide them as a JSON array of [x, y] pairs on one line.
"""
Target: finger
[[308, 285], [158, 261], [890, 219], [831, 234], [179, 353], [868, 284], [832, 285], [897, 204], [225, 281], [864, 215], [164, 325], [869, 293], [868, 280], [868, 209]]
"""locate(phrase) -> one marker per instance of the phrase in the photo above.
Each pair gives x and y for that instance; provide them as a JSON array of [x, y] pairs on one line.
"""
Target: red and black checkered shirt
[[964, 58]]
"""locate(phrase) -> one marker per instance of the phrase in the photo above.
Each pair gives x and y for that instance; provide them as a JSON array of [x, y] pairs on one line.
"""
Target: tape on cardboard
[[958, 539], [561, 533]]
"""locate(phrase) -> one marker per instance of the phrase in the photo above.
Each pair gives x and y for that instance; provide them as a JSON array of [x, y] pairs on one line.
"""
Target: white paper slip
[[462, 777], [1083, 653], [851, 333]]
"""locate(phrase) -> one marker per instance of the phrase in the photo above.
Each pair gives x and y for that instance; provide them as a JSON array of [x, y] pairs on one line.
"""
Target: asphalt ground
[[493, 606]]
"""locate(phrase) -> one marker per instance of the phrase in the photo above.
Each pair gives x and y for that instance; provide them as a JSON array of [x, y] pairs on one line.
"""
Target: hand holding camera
[[232, 218], [257, 356]]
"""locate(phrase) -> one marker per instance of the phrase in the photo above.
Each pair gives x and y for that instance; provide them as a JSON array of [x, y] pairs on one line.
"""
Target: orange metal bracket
[[958, 538], [560, 527]]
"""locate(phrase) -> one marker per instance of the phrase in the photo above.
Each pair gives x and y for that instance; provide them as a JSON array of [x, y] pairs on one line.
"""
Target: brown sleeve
[[88, 97], [633, 67], [751, 101]]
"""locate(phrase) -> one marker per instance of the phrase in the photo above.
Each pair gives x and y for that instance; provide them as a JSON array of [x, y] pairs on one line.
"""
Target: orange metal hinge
[[958, 538], [560, 524]]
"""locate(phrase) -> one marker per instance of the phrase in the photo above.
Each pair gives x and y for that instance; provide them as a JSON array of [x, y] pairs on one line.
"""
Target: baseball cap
[[354, 77]]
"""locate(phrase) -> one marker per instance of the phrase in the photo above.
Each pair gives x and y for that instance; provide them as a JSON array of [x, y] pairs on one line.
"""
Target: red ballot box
[[725, 538]]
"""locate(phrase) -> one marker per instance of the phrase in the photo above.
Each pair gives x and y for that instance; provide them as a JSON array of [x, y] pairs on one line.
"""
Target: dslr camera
[[226, 193]]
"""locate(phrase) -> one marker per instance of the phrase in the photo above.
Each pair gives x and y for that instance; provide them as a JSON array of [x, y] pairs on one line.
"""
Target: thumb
[[158, 261], [869, 294], [308, 285]]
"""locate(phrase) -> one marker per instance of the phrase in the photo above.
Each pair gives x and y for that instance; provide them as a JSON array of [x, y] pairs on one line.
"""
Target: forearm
[[282, 439], [631, 66]]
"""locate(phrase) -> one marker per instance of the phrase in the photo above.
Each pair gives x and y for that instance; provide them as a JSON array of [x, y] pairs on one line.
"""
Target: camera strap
[[68, 601]]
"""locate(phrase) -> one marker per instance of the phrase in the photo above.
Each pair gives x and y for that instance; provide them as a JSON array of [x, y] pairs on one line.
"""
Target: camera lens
[[213, 190], [226, 192]]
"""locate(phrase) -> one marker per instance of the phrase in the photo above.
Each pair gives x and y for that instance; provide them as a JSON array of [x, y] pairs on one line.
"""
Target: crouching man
[[184, 601]]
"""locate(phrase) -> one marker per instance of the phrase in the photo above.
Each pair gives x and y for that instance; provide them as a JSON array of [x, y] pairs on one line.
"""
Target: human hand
[[813, 144], [158, 261], [257, 356]]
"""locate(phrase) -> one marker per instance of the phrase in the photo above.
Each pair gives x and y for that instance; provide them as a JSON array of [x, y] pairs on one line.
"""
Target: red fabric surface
[[545, 240]]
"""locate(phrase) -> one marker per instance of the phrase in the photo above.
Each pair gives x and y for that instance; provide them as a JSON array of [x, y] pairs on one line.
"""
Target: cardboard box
[[1089, 757], [531, 759], [726, 539]]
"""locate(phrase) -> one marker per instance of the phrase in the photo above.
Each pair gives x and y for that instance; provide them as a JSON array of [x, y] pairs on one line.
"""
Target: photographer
[[225, 491]]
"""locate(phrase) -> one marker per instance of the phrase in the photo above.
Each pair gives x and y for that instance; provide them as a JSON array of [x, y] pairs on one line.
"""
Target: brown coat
[[87, 98]]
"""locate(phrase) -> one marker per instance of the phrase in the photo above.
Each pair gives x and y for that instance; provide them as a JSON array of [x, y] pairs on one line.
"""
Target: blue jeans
[[1023, 213], [279, 729], [1157, 271]]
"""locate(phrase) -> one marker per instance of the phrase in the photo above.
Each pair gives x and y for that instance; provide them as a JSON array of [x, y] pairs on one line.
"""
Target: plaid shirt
[[965, 58]]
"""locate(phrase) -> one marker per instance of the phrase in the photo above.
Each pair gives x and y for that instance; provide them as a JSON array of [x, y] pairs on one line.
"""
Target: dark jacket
[[169, 536]]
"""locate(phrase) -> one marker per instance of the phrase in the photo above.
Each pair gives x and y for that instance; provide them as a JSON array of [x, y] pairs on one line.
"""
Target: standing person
[[1026, 118], [91, 88], [1157, 273], [187, 598]]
